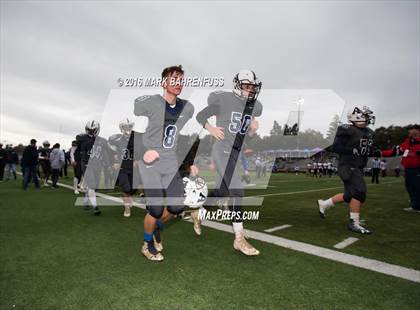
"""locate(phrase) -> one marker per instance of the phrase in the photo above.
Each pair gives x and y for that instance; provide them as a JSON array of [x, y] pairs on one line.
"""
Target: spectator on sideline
[[57, 159], [2, 161], [410, 151], [29, 163], [12, 160], [376, 167], [383, 165]]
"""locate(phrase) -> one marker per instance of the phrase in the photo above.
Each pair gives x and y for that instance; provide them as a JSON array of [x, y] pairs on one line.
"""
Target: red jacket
[[410, 151]]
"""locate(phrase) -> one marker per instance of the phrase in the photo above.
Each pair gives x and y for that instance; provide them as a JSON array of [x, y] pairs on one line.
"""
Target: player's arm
[[253, 127], [374, 150], [72, 150], [138, 148], [62, 158], [113, 150], [40, 156], [396, 150], [141, 107], [186, 114], [204, 115], [107, 154], [340, 142]]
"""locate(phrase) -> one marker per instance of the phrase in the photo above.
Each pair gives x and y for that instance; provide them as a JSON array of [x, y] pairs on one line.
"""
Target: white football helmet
[[92, 128], [363, 116], [246, 77], [126, 126], [195, 191], [46, 143]]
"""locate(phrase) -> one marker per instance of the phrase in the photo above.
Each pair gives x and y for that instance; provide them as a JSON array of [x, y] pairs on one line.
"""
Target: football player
[[354, 143], [44, 162], [235, 114], [159, 168], [123, 146], [94, 153]]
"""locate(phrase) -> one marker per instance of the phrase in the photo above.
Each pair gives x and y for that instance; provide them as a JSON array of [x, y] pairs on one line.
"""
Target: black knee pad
[[175, 210], [361, 196], [347, 197], [155, 211]]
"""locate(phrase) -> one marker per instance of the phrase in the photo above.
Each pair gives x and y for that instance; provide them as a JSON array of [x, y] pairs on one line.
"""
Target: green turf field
[[55, 255]]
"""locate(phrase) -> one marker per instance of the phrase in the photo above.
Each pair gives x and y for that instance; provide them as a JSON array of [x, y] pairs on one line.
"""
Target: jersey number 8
[[169, 136]]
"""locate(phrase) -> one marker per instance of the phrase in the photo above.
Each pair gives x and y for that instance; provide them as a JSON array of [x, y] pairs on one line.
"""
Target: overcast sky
[[60, 60]]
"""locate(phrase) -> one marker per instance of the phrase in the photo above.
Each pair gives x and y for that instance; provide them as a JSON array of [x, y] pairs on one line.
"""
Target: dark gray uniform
[[123, 149], [234, 114], [161, 177], [95, 156], [354, 145]]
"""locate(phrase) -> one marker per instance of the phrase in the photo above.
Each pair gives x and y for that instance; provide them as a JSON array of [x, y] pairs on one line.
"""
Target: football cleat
[[410, 209], [184, 216], [96, 211], [157, 240], [150, 252], [321, 209], [357, 228], [127, 211], [240, 244], [158, 245], [76, 192], [82, 188], [223, 204], [196, 222]]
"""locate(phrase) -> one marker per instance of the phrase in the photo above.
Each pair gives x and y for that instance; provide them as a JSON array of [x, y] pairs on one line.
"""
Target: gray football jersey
[[233, 114], [165, 122], [349, 137]]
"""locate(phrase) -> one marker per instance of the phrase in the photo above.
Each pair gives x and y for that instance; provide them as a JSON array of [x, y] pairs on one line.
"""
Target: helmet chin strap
[[360, 123]]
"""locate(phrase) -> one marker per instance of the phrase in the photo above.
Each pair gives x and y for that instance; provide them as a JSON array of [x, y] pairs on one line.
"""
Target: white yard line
[[311, 190], [349, 259], [270, 230], [345, 243]]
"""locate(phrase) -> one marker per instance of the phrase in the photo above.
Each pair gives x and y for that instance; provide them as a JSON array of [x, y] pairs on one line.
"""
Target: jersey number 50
[[237, 124]]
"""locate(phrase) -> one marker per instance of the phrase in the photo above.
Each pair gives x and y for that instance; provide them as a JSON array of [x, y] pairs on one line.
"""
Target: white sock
[[355, 217], [327, 203], [238, 228], [75, 181], [92, 197]]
